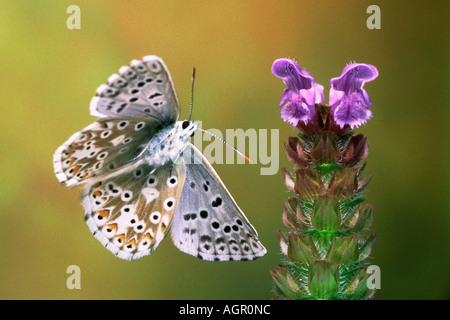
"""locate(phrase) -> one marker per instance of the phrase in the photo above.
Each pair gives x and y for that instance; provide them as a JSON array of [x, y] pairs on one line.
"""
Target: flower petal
[[318, 89], [335, 96], [351, 112], [353, 77], [301, 94], [348, 99], [296, 79], [294, 112]]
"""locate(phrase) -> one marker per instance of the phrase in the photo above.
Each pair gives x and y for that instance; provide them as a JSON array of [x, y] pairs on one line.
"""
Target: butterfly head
[[187, 128]]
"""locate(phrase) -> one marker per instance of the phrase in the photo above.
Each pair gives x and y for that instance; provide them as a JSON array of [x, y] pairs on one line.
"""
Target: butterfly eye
[[185, 124]]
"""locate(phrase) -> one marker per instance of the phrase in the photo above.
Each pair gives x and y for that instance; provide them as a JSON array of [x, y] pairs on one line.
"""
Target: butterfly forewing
[[102, 148], [208, 223], [130, 213], [142, 89]]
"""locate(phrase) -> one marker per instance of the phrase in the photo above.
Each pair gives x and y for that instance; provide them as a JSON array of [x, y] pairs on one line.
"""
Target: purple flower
[[348, 99], [301, 94]]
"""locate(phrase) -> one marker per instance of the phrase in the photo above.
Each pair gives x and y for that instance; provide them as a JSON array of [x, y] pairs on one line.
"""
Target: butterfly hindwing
[[208, 223], [131, 212], [142, 89], [102, 148]]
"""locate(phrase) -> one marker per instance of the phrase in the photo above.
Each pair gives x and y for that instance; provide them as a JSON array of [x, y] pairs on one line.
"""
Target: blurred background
[[49, 74]]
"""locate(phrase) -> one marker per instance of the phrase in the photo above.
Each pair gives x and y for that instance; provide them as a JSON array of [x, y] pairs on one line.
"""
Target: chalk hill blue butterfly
[[142, 177]]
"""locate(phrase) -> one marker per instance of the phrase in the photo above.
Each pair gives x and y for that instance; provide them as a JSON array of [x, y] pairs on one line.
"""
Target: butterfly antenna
[[192, 93], [228, 145]]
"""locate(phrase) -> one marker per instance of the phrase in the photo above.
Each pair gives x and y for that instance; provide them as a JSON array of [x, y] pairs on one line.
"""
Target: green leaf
[[301, 250], [288, 179], [294, 216], [281, 282], [325, 214], [308, 184], [366, 248], [344, 183], [348, 205], [296, 285], [344, 250], [323, 279], [359, 219], [356, 289], [283, 240]]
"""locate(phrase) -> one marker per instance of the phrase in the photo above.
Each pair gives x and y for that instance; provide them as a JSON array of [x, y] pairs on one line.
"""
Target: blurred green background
[[49, 74]]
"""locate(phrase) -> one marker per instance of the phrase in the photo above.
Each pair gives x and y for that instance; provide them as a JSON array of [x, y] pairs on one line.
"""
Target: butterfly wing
[[133, 106], [131, 212], [142, 89], [102, 148], [208, 223]]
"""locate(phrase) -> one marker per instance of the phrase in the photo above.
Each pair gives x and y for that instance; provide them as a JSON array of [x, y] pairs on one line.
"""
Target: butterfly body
[[142, 177], [168, 144]]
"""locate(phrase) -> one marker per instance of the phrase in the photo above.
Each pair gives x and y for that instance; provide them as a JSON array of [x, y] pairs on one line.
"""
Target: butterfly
[[142, 177]]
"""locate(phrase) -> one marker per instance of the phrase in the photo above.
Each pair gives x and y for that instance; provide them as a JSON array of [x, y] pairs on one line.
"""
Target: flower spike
[[325, 250]]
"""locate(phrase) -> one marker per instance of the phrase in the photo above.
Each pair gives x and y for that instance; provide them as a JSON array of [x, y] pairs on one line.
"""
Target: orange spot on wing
[[132, 242], [75, 169], [121, 237], [112, 226], [97, 193], [104, 214]]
